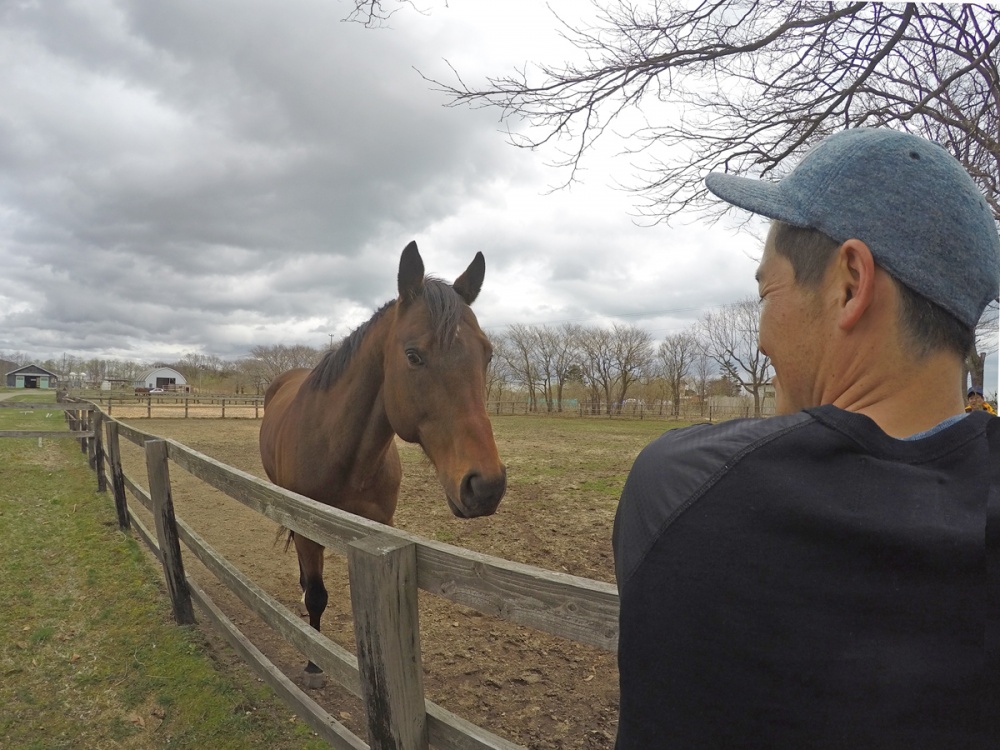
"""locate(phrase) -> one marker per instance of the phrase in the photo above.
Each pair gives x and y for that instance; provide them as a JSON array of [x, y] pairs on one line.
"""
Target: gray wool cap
[[910, 201]]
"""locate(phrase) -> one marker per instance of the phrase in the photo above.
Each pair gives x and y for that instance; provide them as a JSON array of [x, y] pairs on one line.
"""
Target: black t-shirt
[[805, 582]]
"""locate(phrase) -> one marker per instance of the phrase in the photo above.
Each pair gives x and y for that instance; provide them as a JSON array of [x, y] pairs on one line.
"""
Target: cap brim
[[764, 198]]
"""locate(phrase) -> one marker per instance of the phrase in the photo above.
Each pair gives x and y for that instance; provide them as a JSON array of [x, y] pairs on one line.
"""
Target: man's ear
[[855, 282]]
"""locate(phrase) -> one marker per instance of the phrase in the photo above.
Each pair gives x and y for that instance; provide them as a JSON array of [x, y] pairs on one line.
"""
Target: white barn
[[166, 378]]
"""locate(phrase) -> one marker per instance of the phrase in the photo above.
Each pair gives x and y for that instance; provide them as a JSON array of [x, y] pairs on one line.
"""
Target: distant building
[[112, 384], [166, 378], [32, 376]]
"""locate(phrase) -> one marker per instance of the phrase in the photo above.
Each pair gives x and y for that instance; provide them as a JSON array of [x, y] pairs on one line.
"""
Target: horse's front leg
[[314, 592]]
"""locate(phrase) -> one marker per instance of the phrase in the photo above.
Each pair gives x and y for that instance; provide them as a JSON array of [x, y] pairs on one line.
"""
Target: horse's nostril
[[469, 486], [481, 493]]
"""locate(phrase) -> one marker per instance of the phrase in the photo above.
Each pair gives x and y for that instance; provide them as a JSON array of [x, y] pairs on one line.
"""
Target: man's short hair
[[926, 327]]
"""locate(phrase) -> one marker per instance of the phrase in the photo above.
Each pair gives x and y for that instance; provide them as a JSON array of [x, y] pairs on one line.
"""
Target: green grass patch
[[89, 654], [592, 456]]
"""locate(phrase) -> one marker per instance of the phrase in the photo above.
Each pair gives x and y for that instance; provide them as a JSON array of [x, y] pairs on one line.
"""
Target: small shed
[[32, 376], [166, 378]]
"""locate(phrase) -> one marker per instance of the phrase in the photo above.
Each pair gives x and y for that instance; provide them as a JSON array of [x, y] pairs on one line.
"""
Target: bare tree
[[986, 343], [557, 352], [253, 372], [749, 83], [377, 13], [498, 374], [730, 334], [544, 346], [632, 353], [271, 361], [597, 365], [20, 359], [704, 367], [521, 355], [677, 353], [612, 361]]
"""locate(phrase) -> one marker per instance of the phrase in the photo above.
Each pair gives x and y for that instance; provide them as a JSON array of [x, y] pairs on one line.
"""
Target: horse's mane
[[444, 305]]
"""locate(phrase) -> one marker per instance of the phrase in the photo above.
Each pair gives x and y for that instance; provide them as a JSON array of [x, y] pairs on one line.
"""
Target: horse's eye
[[413, 357]]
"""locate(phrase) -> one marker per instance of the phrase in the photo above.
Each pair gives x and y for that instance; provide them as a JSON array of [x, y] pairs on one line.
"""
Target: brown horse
[[415, 369]]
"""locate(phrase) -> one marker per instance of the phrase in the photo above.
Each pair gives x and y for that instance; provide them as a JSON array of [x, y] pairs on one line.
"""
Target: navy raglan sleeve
[[674, 471]]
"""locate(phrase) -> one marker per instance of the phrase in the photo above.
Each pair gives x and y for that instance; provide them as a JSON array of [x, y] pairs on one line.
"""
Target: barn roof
[[33, 368], [149, 373]]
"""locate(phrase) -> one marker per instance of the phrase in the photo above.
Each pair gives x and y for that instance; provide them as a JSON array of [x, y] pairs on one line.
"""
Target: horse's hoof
[[313, 680]]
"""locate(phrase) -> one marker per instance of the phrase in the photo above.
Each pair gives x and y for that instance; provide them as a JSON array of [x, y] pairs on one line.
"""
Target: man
[[819, 579], [977, 402]]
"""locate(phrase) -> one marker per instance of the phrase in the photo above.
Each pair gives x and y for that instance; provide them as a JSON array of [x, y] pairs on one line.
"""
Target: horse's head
[[434, 383]]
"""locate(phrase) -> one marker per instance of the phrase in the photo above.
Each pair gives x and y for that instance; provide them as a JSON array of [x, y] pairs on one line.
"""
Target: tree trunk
[[975, 363]]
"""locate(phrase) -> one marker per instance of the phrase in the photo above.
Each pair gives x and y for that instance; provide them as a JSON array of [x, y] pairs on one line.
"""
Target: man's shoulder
[[678, 468], [702, 447]]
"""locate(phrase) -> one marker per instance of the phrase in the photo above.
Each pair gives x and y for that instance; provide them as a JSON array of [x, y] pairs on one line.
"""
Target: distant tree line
[[606, 368], [545, 366]]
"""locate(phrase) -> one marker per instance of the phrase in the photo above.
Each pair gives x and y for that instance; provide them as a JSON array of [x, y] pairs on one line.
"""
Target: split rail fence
[[386, 567]]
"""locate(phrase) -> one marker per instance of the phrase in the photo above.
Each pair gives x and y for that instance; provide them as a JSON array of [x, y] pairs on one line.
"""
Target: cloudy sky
[[209, 176]]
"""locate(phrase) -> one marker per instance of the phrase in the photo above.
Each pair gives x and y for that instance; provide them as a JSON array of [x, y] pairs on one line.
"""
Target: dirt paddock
[[564, 479]]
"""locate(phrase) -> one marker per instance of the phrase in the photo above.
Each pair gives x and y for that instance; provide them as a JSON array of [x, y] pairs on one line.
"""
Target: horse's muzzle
[[480, 495]]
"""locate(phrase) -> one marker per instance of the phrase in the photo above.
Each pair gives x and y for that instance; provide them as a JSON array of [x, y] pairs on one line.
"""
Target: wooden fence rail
[[171, 405], [386, 566]]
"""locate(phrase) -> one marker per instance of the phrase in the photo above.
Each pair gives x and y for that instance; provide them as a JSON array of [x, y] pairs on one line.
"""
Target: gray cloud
[[192, 176]]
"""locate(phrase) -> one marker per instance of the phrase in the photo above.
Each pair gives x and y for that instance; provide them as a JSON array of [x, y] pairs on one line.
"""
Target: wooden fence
[[168, 405], [386, 567], [84, 422]]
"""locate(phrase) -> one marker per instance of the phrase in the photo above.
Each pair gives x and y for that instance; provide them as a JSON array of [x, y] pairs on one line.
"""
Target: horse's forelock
[[445, 307]]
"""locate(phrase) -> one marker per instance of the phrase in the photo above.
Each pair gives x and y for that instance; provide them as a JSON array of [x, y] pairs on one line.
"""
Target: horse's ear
[[411, 274], [469, 283]]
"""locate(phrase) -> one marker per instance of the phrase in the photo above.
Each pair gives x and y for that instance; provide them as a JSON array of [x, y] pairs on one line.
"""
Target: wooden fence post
[[149, 406], [166, 531], [185, 407], [223, 402], [383, 576], [88, 424], [79, 423], [98, 426], [117, 477]]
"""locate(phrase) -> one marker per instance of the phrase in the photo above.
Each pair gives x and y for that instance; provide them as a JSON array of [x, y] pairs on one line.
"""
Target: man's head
[[924, 325], [900, 201], [911, 202], [976, 396]]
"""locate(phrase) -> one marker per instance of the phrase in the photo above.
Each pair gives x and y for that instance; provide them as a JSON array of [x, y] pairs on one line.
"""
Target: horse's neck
[[360, 421]]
